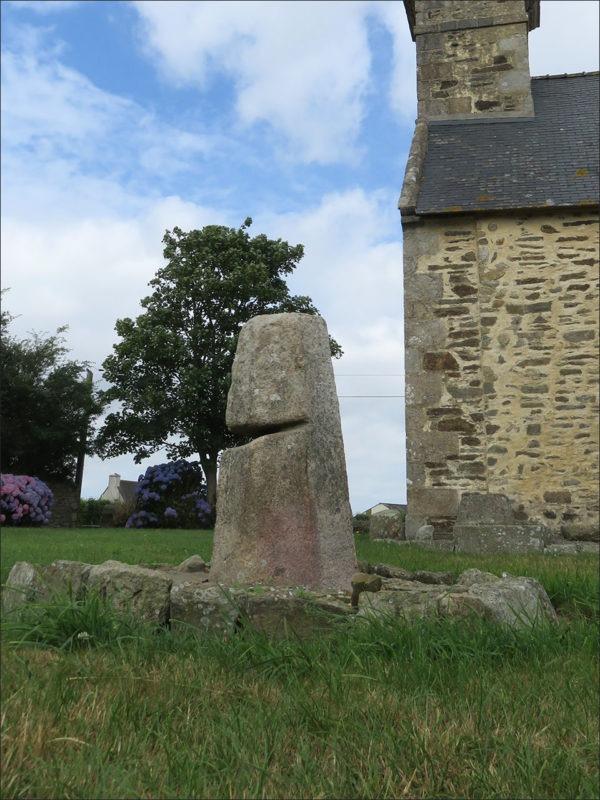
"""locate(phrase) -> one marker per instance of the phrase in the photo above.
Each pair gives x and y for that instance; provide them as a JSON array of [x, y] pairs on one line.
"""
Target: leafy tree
[[47, 404], [170, 371]]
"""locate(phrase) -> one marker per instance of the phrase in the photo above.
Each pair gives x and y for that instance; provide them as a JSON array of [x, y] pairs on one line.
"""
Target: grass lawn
[[389, 710]]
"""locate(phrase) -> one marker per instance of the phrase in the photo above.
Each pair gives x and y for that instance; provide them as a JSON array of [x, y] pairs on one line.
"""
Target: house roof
[[127, 490], [547, 160], [393, 506]]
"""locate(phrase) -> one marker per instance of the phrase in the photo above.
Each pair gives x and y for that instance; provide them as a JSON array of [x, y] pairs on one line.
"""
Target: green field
[[435, 709]]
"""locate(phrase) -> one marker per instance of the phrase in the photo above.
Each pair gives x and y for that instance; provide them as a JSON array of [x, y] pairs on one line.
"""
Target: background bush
[[171, 495], [24, 500], [360, 523], [95, 512]]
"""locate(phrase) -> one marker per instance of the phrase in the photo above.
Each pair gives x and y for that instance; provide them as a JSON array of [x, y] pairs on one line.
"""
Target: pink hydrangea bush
[[24, 500]]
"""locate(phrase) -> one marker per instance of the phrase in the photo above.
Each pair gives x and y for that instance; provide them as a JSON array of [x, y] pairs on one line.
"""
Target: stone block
[[493, 538], [424, 390], [29, 583], [589, 532], [484, 507], [427, 502], [433, 446], [143, 593]]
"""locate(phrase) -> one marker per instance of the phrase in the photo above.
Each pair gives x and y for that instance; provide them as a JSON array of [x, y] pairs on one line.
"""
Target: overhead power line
[[370, 395]]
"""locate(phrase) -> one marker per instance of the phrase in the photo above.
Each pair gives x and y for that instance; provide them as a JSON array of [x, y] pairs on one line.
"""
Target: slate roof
[[127, 491], [550, 159]]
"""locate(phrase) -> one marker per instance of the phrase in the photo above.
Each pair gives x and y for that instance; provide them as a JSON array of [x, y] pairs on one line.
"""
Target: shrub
[[24, 500], [119, 513], [360, 523], [94, 512], [171, 495]]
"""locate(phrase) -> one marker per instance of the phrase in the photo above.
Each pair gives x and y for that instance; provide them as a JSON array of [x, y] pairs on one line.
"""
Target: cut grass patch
[[437, 708]]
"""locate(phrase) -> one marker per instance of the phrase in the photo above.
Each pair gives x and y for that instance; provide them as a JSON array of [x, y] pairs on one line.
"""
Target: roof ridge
[[566, 75]]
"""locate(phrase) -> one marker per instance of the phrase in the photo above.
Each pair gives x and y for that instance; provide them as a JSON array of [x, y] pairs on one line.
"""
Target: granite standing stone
[[283, 514]]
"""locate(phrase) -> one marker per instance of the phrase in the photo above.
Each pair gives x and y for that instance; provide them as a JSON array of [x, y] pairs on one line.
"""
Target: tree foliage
[[170, 371], [47, 404]]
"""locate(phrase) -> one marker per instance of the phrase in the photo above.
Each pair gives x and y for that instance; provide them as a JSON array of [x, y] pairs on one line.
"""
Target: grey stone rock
[[388, 571], [511, 601], [496, 538], [283, 516], [562, 549], [27, 583], [572, 548], [194, 564], [423, 576], [275, 611], [589, 547], [141, 592], [408, 600], [280, 612], [425, 533], [582, 533], [204, 608], [436, 578], [23, 585]]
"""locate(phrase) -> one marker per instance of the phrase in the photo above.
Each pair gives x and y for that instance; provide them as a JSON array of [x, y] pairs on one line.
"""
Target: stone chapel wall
[[501, 318]]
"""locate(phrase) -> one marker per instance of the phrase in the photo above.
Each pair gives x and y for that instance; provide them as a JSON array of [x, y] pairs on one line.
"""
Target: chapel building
[[499, 210]]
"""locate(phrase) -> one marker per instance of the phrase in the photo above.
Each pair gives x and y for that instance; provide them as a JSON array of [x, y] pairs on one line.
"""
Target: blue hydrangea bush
[[171, 495]]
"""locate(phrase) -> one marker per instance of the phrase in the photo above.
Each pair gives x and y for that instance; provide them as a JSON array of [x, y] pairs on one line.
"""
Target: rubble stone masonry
[[501, 316], [472, 59]]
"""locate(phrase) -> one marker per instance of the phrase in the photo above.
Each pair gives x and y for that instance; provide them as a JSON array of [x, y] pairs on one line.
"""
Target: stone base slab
[[186, 602]]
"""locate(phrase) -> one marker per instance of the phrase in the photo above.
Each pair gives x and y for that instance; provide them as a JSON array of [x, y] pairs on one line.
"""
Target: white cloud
[[57, 123], [90, 271], [567, 39], [301, 67]]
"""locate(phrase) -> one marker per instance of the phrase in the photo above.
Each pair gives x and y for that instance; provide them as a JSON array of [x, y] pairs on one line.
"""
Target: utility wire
[[345, 375], [371, 395]]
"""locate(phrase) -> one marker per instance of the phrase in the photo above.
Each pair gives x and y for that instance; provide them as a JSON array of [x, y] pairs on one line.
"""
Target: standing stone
[[283, 514]]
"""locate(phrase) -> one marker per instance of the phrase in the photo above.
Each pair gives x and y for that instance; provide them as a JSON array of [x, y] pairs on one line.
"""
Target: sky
[[123, 119]]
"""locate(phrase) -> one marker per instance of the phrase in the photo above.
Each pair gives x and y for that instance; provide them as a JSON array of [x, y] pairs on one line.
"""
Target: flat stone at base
[[203, 607], [491, 538], [141, 592], [275, 611], [29, 583], [512, 601]]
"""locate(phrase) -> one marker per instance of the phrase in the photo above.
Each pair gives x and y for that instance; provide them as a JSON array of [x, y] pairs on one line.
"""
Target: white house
[[389, 509], [119, 491]]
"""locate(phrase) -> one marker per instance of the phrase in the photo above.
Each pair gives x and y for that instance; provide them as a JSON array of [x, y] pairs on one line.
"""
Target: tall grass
[[380, 710], [432, 709]]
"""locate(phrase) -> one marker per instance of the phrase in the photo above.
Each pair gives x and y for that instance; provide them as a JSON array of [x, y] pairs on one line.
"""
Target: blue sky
[[122, 119]]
